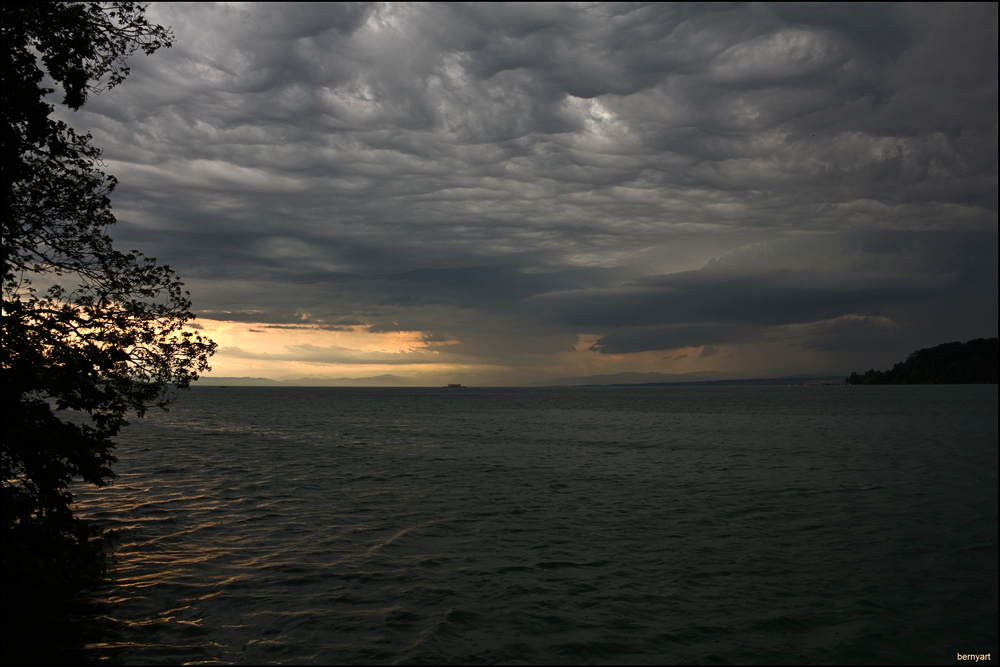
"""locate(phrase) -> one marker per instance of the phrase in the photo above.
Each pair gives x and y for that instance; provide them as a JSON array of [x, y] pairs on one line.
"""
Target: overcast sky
[[498, 194]]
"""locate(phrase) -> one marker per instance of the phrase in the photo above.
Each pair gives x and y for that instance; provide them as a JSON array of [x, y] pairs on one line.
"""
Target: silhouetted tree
[[974, 362], [110, 344]]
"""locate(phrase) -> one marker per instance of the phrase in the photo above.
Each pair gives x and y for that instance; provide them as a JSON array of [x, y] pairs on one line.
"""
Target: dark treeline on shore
[[974, 362]]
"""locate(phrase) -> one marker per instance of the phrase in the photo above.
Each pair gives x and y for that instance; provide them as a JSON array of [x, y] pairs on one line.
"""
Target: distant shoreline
[[753, 382], [796, 381]]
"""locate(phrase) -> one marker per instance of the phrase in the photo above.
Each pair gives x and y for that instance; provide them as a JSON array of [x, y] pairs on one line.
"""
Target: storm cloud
[[809, 279], [514, 177]]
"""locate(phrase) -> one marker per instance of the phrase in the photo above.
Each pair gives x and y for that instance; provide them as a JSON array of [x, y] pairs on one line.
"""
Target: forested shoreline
[[974, 362]]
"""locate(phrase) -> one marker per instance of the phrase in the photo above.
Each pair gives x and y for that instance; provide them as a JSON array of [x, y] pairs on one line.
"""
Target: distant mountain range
[[949, 363], [617, 379], [386, 380], [628, 378], [706, 378]]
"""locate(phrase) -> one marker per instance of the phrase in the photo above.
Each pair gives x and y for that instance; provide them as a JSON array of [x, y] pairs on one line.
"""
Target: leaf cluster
[[115, 340]]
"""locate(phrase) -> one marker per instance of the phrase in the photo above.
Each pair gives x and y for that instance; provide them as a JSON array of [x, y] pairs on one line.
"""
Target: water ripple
[[667, 525]]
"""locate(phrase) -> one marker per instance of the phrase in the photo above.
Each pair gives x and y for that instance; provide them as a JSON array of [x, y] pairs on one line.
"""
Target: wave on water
[[739, 524]]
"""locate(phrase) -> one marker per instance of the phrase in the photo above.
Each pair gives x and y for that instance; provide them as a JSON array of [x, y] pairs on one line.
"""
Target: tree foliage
[[974, 362], [113, 341]]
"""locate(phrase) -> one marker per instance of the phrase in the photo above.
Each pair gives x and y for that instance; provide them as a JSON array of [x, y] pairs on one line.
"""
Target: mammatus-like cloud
[[512, 176]]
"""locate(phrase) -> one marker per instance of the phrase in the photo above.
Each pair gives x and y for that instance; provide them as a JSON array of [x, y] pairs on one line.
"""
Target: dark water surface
[[694, 524]]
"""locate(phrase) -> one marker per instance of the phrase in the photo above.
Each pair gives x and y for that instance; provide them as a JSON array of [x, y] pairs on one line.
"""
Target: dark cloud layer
[[810, 278], [661, 176], [746, 294]]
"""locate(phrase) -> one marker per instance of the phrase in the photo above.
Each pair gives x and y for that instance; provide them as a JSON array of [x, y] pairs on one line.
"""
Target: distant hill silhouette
[[974, 362], [385, 380]]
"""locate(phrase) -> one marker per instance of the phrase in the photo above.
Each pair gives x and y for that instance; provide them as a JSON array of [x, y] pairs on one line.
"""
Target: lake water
[[639, 525]]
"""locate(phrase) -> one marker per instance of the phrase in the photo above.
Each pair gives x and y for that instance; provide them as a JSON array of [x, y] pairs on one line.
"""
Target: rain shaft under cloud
[[530, 191]]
